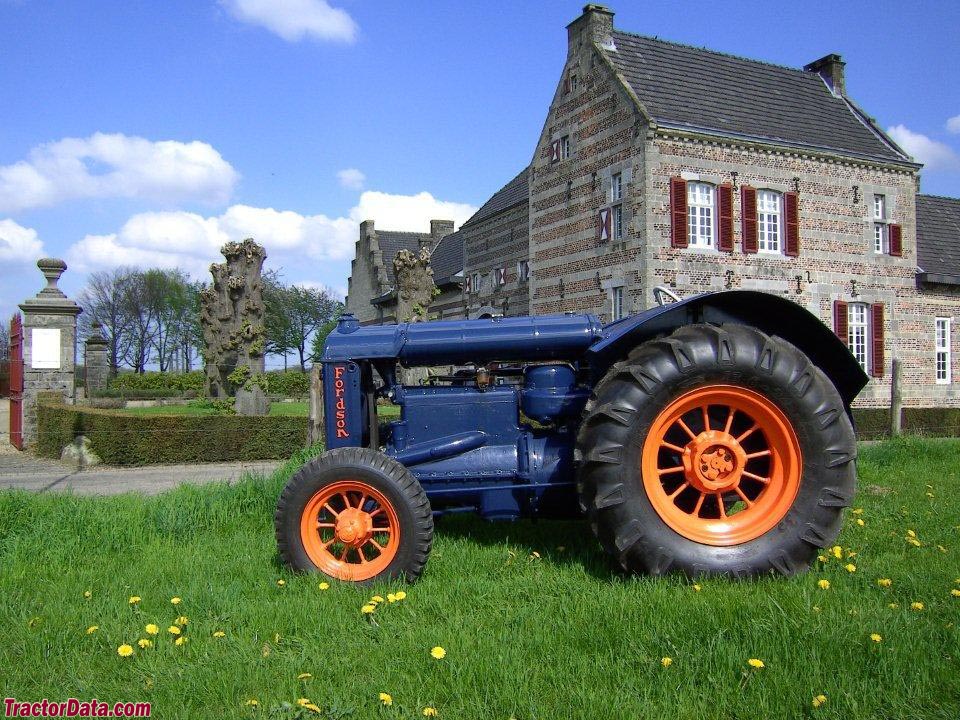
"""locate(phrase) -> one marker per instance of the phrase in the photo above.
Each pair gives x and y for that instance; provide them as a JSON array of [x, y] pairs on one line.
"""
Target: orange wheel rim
[[350, 531], [721, 465]]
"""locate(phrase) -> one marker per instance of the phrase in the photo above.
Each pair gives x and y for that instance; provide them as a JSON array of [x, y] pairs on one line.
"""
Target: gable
[[938, 238]]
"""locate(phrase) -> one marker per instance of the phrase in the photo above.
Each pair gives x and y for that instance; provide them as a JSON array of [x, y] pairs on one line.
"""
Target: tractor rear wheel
[[717, 450], [357, 515]]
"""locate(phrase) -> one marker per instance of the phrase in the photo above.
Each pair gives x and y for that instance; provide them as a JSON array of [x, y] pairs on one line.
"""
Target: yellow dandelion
[[837, 551], [438, 653], [173, 630], [666, 661], [429, 712], [850, 568], [914, 542], [697, 588], [324, 586], [313, 708], [252, 702], [929, 494], [281, 583], [535, 555], [386, 699], [175, 601], [876, 637], [884, 582], [87, 594], [368, 609], [816, 608], [818, 700], [941, 548], [124, 651], [134, 599], [823, 584], [182, 640], [822, 558], [911, 533], [391, 598], [893, 606], [401, 595], [916, 606], [857, 511], [144, 643], [182, 620], [955, 592], [152, 629], [861, 523], [304, 676], [376, 599], [303, 702], [92, 629], [219, 634], [756, 663]]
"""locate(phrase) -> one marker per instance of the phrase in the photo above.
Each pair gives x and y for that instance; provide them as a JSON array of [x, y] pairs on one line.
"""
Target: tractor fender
[[771, 314]]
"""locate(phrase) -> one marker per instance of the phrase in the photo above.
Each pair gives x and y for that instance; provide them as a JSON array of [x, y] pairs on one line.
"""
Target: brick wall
[[499, 241]]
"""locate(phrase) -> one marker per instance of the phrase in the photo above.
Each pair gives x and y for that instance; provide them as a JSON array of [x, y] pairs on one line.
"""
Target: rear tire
[[755, 501], [354, 514]]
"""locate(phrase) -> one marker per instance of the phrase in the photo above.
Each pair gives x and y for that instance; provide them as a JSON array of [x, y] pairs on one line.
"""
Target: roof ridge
[[938, 197], [801, 71]]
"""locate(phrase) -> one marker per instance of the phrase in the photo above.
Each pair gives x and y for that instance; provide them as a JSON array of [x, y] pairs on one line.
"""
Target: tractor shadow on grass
[[561, 542]]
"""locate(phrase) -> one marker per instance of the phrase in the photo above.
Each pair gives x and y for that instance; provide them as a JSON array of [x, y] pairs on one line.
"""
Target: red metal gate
[[16, 382]]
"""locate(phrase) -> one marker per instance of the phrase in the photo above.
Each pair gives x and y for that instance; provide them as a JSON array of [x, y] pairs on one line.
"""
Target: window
[[475, 282], [565, 147], [523, 271], [881, 241], [616, 302], [769, 213], [573, 83], [858, 332], [617, 212], [616, 187], [942, 344], [700, 214]]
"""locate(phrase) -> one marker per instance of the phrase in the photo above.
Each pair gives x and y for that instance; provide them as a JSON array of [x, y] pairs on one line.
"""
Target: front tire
[[717, 450], [354, 514]]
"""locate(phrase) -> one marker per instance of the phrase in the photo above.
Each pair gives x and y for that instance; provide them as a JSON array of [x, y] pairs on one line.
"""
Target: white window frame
[[616, 222], [475, 282], [881, 237], [943, 357], [879, 207], [616, 303], [565, 147], [770, 222], [616, 187], [858, 333], [701, 215]]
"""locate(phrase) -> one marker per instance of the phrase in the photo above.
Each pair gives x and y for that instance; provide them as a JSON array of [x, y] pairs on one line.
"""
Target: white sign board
[[45, 348]]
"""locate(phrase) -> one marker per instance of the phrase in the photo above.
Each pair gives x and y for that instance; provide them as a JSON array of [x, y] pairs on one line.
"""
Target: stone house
[[664, 164]]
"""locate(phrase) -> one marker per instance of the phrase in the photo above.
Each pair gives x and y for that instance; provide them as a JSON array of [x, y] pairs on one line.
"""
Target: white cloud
[[351, 178], [953, 125], [116, 165], [294, 20], [934, 154], [408, 212], [18, 244], [191, 242]]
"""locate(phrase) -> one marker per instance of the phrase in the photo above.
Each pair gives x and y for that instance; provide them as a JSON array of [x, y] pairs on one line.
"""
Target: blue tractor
[[706, 436]]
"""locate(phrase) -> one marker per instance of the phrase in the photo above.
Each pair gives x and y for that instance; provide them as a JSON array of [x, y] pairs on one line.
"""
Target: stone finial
[[52, 269]]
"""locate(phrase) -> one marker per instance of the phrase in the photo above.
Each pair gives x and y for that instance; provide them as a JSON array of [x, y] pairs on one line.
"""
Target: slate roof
[[447, 258], [938, 238], [698, 89], [514, 192], [392, 242]]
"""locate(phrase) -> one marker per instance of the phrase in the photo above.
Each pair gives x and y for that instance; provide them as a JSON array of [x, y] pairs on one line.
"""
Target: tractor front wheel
[[354, 514], [717, 450]]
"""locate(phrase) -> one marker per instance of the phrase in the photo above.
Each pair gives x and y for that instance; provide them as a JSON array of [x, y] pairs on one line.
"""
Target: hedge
[[288, 383], [176, 382], [124, 439]]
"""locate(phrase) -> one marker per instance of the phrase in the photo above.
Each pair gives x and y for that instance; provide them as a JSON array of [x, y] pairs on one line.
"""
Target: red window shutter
[[896, 240], [605, 220], [876, 330], [748, 214], [679, 228], [725, 205], [791, 222], [555, 151], [467, 284], [840, 324]]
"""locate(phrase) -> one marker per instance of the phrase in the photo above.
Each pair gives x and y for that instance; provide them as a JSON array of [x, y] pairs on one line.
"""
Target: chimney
[[595, 25], [439, 228], [830, 68]]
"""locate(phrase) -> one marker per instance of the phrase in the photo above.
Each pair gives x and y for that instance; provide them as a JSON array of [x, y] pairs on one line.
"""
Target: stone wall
[[497, 242], [368, 278]]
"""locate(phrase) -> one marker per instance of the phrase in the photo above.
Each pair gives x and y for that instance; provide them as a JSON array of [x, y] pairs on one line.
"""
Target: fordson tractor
[[706, 436]]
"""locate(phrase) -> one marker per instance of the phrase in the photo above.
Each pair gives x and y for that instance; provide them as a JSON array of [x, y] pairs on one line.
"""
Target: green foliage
[[239, 376], [289, 383], [140, 394], [120, 438], [320, 338], [223, 406], [178, 382]]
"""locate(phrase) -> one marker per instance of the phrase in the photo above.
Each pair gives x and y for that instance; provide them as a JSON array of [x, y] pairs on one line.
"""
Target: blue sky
[[146, 133]]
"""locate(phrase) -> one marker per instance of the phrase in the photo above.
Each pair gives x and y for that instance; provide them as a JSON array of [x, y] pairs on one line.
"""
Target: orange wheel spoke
[[329, 542], [720, 505], [747, 501], [667, 471], [678, 490], [696, 510], [346, 549], [328, 507], [706, 417], [377, 545], [686, 429], [748, 432], [729, 424], [326, 524], [761, 453], [363, 499], [376, 512], [671, 446], [764, 480], [346, 500]]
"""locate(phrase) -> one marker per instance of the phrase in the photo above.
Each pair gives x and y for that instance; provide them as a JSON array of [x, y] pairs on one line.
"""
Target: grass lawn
[[554, 636]]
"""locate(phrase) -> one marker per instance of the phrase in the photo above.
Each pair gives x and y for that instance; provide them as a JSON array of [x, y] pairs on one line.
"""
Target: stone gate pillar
[[96, 361], [49, 345]]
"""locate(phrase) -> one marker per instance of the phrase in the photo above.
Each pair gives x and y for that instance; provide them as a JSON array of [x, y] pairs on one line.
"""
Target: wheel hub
[[713, 461], [354, 527]]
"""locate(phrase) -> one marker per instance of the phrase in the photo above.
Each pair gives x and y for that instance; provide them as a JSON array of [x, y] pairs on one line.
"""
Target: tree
[[277, 323], [104, 301], [320, 336]]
